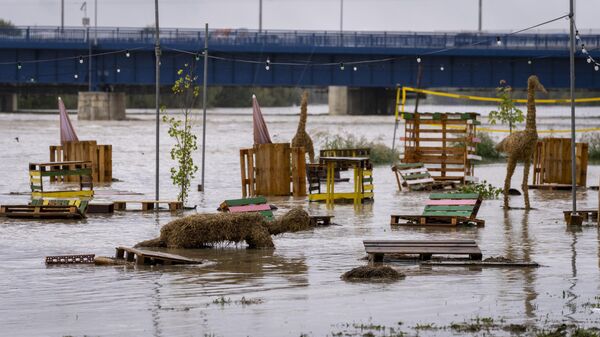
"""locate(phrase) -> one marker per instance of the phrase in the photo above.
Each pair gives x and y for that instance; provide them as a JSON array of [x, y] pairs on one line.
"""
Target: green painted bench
[[258, 204], [445, 209]]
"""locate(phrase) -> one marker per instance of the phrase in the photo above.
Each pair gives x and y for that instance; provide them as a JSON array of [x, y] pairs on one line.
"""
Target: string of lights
[[589, 58]]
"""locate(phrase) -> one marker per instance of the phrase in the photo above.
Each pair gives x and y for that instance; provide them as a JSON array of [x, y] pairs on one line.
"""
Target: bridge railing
[[281, 38]]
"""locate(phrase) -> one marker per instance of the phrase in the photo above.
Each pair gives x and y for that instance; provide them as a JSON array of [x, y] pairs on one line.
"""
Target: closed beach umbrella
[[67, 133], [261, 133]]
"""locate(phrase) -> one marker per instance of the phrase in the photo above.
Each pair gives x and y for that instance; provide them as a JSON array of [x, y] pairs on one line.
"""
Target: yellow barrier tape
[[493, 99], [507, 130]]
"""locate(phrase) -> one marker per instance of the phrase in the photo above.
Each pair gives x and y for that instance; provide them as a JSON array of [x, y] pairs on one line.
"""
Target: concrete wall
[[101, 106], [8, 102], [361, 101]]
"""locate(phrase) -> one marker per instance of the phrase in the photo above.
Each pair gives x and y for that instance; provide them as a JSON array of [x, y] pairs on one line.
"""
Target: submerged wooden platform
[[101, 207], [320, 220], [425, 249], [70, 259], [148, 205], [140, 257], [41, 212], [469, 263], [552, 187]]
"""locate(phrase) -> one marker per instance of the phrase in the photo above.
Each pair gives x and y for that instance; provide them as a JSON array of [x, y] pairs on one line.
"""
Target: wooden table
[[359, 164]]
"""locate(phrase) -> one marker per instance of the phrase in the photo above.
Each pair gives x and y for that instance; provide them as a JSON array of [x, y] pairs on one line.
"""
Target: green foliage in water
[[593, 140], [380, 153], [487, 147], [486, 190], [180, 129]]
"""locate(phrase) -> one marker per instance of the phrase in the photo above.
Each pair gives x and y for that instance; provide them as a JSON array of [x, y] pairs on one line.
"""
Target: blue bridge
[[124, 57]]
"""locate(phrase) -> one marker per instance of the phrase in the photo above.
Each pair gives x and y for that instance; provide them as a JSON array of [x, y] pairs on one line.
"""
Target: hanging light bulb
[[418, 59], [597, 67], [32, 80], [75, 76], [442, 68], [341, 65], [529, 62], [498, 41], [583, 50], [19, 65], [589, 60], [197, 57], [118, 70], [127, 54], [355, 68], [268, 64], [577, 35], [80, 59]]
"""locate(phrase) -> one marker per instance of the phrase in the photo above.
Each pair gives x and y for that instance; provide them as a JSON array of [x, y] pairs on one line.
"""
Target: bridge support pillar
[[96, 105], [360, 101], [8, 102]]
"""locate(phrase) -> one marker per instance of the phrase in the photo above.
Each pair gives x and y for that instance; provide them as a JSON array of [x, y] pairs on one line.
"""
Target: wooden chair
[[445, 209], [416, 177]]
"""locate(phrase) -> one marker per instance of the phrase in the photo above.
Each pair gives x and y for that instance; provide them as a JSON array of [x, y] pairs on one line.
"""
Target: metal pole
[[89, 60], [572, 93], [260, 16], [95, 22], [479, 26], [204, 88], [157, 97], [341, 16], [62, 15]]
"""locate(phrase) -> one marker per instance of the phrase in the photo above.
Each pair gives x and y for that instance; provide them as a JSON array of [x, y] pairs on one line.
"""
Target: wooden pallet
[[425, 249], [586, 215], [141, 257], [445, 209], [41, 212], [70, 259], [101, 207], [320, 220], [148, 205], [416, 177], [470, 263], [552, 162]]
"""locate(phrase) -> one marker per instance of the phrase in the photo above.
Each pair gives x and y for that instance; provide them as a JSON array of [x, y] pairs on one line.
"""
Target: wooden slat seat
[[376, 249], [257, 204], [445, 209], [41, 212], [415, 177], [147, 205], [140, 257]]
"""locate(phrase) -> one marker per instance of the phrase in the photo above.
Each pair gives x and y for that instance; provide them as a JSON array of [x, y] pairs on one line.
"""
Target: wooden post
[[298, 172]]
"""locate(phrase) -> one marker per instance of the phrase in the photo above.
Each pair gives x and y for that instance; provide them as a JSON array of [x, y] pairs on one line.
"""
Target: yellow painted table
[[359, 166]]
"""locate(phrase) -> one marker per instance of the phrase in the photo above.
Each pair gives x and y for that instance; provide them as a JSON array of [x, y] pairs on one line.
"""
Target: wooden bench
[[258, 204], [586, 215], [147, 205], [47, 209], [423, 248], [141, 257], [415, 177], [445, 209]]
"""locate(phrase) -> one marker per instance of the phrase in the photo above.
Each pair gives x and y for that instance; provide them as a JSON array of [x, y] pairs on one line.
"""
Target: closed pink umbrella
[[67, 133], [261, 133]]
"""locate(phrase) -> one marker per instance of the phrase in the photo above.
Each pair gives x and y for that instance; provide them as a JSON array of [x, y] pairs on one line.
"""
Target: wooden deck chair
[[416, 177], [258, 204], [445, 209]]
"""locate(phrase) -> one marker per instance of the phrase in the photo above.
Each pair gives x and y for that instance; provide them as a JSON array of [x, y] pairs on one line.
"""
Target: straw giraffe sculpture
[[302, 139], [521, 145]]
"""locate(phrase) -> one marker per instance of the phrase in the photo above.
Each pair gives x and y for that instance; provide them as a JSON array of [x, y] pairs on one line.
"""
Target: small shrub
[[593, 140], [487, 147], [380, 153], [486, 190]]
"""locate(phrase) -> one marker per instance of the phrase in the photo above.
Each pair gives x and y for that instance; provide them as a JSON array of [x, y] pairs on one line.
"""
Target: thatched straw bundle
[[372, 273], [207, 230]]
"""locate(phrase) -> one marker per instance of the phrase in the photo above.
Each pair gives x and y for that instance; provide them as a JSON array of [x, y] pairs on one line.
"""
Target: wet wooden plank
[[70, 259], [147, 256]]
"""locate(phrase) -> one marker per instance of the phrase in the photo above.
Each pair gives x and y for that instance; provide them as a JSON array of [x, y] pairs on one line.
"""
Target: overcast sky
[[389, 15]]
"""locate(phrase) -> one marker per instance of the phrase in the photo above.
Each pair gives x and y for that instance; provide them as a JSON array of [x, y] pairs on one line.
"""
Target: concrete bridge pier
[[9, 102], [361, 101], [98, 105]]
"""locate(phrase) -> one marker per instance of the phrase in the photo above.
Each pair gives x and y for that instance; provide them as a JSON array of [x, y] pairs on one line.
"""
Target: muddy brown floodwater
[[295, 289]]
